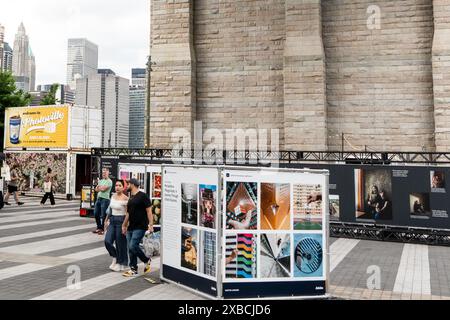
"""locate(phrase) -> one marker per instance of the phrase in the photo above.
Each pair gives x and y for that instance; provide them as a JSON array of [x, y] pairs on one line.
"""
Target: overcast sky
[[119, 27]]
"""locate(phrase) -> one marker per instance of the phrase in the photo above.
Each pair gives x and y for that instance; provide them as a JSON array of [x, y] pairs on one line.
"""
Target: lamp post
[[149, 64]]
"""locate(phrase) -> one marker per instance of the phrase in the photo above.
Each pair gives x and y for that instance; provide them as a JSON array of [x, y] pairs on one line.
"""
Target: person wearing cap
[[138, 220], [103, 190]]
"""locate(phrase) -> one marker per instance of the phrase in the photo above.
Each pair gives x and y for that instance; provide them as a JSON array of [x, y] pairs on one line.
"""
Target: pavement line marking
[[413, 275], [36, 223], [40, 247], [339, 250], [38, 210], [50, 215], [87, 287], [25, 236], [37, 205], [33, 267]]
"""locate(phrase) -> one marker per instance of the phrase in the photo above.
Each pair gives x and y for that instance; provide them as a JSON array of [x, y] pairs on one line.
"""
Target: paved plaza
[[41, 246]]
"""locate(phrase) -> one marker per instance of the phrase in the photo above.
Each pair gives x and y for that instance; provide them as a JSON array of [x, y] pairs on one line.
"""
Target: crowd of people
[[123, 219], [126, 221]]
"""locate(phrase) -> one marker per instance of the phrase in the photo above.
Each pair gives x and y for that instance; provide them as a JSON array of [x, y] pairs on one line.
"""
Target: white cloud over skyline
[[119, 27]]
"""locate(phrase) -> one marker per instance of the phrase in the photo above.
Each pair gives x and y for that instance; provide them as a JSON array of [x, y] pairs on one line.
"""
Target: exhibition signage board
[[267, 238], [274, 241], [405, 196], [190, 199], [37, 127], [149, 177]]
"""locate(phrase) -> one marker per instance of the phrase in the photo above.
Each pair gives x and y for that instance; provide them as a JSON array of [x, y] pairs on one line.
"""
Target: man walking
[[138, 220], [103, 190]]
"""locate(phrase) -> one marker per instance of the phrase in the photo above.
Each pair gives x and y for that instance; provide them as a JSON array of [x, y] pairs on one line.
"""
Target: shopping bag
[[151, 244], [47, 187], [6, 173]]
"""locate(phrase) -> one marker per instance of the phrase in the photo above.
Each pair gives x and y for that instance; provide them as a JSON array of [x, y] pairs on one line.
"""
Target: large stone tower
[[374, 72]]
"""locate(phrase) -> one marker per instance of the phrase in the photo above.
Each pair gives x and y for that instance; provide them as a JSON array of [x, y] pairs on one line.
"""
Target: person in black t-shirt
[[138, 221]]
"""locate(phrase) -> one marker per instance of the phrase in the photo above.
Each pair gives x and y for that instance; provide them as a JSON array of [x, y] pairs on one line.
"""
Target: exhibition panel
[[268, 237], [407, 196], [275, 236], [190, 202], [389, 196]]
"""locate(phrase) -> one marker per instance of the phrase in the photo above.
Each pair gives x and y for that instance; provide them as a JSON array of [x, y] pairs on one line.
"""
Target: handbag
[[47, 187], [6, 173]]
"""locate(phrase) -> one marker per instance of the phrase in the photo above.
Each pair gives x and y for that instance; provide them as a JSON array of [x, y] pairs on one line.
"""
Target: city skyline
[[121, 32]]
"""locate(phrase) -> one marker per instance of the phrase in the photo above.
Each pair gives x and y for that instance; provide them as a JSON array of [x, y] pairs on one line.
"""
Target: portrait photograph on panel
[[373, 194]]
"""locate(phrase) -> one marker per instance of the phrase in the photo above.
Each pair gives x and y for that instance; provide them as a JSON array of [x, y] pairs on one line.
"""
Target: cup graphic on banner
[[14, 129]]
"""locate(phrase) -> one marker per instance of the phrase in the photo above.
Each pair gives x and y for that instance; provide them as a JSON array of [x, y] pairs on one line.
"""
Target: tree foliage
[[10, 97], [50, 98]]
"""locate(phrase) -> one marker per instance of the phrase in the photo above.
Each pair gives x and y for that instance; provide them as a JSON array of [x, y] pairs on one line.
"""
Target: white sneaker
[[113, 264], [117, 268], [123, 268]]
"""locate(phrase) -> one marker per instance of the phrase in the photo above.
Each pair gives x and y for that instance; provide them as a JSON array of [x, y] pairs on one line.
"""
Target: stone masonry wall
[[173, 80], [311, 68], [441, 74], [239, 47], [379, 82]]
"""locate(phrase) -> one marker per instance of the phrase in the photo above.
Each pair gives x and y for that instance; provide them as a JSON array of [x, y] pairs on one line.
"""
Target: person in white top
[[113, 225]]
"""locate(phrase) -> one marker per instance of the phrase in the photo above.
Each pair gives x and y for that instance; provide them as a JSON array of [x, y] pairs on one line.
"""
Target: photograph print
[[307, 203], [189, 202], [437, 180], [241, 205], [189, 248], [308, 255], [419, 205], [207, 254], [275, 206], [275, 258], [334, 207], [208, 210], [156, 185], [241, 256], [156, 211], [373, 194]]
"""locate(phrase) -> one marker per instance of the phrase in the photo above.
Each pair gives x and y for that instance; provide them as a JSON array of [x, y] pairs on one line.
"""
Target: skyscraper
[[82, 60], [2, 39], [111, 93], [139, 77], [137, 117], [23, 64], [7, 57], [31, 69]]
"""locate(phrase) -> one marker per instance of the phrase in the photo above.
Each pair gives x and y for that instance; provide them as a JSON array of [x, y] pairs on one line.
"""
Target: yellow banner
[[37, 127]]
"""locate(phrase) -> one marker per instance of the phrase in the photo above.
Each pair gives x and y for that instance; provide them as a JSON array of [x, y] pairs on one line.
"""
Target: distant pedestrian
[[138, 221], [13, 188], [103, 190], [113, 225], [49, 185]]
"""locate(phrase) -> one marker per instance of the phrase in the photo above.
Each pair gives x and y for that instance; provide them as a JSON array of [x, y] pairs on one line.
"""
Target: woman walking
[[113, 225], [49, 183]]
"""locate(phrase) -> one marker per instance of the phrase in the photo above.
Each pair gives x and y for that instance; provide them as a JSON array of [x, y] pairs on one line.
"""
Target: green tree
[[10, 97], [50, 98]]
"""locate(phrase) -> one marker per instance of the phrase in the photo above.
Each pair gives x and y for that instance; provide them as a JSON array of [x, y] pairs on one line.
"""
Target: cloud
[[119, 27]]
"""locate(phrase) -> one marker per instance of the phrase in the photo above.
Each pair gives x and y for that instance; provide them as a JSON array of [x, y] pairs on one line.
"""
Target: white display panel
[[190, 200], [274, 226]]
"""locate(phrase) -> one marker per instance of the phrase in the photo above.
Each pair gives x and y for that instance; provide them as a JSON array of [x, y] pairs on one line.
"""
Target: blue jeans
[[100, 212], [114, 235], [134, 238]]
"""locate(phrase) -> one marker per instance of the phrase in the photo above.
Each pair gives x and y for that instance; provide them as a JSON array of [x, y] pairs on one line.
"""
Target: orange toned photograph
[[275, 206]]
